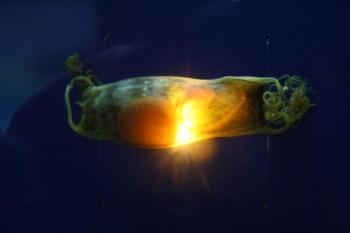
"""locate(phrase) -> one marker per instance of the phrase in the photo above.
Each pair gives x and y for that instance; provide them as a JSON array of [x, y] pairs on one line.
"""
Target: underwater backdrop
[[53, 180]]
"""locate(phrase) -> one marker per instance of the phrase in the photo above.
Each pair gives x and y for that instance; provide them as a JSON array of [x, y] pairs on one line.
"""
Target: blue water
[[53, 180]]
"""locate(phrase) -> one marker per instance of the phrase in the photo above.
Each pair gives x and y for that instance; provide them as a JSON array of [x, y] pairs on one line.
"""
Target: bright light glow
[[187, 115], [185, 134], [195, 114]]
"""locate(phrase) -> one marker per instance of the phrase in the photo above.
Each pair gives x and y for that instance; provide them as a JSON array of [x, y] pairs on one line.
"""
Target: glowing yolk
[[148, 121]]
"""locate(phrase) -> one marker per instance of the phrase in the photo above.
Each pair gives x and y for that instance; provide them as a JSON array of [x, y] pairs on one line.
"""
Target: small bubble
[[106, 36], [264, 205], [267, 40], [102, 203]]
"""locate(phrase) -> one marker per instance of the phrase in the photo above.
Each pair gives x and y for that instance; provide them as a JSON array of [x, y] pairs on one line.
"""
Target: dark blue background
[[53, 180]]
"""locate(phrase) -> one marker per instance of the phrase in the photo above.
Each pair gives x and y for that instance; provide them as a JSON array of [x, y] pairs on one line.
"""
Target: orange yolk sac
[[168, 111]]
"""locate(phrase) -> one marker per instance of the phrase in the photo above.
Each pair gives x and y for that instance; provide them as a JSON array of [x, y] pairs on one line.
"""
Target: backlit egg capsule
[[170, 111]]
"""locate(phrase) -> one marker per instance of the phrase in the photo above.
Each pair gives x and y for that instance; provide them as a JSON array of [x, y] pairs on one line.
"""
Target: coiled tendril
[[285, 104]]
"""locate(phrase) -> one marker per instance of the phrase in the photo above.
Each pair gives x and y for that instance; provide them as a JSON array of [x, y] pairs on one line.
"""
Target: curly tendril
[[285, 103], [82, 81]]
